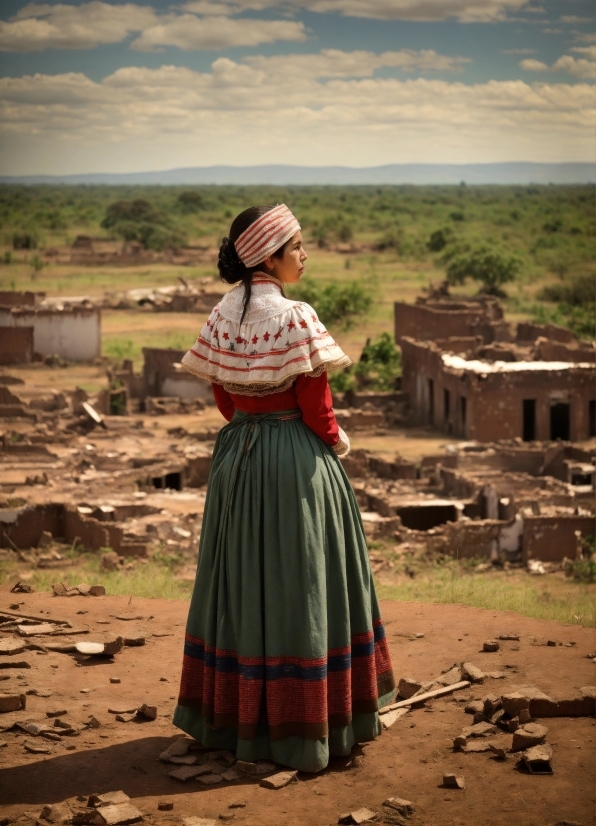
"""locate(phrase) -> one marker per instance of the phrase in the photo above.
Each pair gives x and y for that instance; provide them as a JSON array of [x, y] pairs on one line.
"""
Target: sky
[[105, 86]]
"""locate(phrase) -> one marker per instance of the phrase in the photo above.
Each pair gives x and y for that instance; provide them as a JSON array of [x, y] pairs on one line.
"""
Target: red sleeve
[[224, 402], [314, 400]]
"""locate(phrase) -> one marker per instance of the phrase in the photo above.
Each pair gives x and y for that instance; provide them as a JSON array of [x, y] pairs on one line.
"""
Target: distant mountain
[[417, 174]]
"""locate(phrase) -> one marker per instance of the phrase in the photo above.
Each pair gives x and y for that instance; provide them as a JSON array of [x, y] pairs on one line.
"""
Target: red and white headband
[[266, 235]]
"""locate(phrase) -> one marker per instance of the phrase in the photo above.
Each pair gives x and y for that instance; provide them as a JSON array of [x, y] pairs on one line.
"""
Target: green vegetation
[[490, 266], [138, 220], [336, 304], [379, 365]]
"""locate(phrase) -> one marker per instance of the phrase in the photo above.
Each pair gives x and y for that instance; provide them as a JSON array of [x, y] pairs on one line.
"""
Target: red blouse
[[308, 393]]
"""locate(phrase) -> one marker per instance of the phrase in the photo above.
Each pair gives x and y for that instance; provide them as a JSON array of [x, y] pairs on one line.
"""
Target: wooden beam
[[428, 695]]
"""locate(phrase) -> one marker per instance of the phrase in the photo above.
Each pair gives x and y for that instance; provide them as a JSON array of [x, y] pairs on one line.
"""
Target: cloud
[[574, 18], [39, 27], [519, 51], [189, 32], [584, 68], [466, 11], [263, 111]]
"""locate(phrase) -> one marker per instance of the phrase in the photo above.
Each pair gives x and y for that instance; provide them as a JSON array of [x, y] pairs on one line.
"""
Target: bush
[[191, 201], [336, 303], [380, 364], [488, 265], [577, 292], [391, 239], [134, 212], [439, 240], [24, 240], [139, 221]]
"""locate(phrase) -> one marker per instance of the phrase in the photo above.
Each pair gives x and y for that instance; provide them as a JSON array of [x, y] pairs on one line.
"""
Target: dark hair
[[231, 269]]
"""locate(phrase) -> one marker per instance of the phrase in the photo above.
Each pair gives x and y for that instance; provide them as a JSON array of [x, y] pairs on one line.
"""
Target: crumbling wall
[[551, 538], [73, 333], [16, 345], [163, 376], [425, 323], [19, 298], [528, 331]]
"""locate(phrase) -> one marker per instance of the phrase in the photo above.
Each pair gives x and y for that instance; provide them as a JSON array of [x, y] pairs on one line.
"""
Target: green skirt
[[285, 656]]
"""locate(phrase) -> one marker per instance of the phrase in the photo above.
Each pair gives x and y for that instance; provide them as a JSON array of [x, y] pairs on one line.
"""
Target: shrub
[[490, 266], [391, 239], [335, 303], [579, 291], [439, 239], [191, 201], [24, 240], [457, 216], [139, 221], [135, 212], [380, 364]]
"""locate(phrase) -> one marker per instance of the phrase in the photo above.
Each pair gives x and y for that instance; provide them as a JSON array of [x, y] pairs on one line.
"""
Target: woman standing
[[285, 655]]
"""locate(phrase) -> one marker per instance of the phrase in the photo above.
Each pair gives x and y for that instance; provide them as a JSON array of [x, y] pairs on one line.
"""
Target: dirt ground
[[407, 761]]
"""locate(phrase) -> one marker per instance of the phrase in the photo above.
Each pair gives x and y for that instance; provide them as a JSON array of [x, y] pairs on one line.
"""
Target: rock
[[12, 702], [83, 589], [537, 760], [498, 751], [459, 743], [9, 646], [490, 645], [239, 804], [478, 730], [387, 720], [408, 687], [532, 734], [59, 589], [576, 707], [471, 673], [109, 561], [19, 664], [480, 718], [510, 637], [513, 703], [588, 691], [451, 677], [551, 643], [22, 588], [117, 813], [178, 748], [56, 712], [56, 813], [147, 712], [497, 717], [126, 718], [107, 799], [231, 774], [452, 781], [183, 760], [401, 806], [264, 767], [134, 641], [115, 680], [36, 748], [65, 728], [35, 630], [187, 773], [227, 816], [279, 780], [491, 704], [359, 816], [474, 707], [225, 757], [198, 821], [33, 728], [165, 806], [476, 746], [123, 710], [210, 779], [97, 591], [511, 725], [524, 716]]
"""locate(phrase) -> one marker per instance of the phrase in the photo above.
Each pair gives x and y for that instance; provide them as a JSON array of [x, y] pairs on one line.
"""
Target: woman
[[285, 655]]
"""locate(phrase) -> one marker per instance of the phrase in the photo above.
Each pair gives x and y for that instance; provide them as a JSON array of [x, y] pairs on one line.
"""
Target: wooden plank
[[419, 698]]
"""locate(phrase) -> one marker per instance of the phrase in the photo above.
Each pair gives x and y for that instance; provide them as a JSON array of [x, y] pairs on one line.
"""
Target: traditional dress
[[285, 655]]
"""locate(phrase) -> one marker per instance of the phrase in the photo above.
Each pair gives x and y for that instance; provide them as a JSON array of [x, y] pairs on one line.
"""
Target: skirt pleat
[[285, 656]]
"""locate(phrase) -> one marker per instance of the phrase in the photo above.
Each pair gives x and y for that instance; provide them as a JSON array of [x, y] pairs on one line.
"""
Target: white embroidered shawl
[[278, 340]]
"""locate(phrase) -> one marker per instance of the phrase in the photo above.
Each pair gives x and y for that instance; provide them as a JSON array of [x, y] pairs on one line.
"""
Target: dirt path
[[408, 760]]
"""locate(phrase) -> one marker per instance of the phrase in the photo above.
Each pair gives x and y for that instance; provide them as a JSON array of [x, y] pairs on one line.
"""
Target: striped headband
[[266, 235]]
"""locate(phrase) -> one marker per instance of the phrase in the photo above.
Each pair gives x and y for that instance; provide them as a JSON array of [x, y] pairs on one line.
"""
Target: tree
[[138, 220], [491, 266]]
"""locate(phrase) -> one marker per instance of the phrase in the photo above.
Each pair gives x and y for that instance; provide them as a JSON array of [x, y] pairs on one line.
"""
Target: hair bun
[[231, 268]]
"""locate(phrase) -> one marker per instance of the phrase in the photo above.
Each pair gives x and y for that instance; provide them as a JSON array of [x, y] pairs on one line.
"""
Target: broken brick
[[490, 646], [279, 780], [532, 734], [452, 781]]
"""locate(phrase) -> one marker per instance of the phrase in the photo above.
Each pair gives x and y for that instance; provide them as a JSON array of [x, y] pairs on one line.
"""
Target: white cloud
[[466, 11], [583, 67], [263, 111], [519, 51], [186, 31], [574, 18], [39, 27]]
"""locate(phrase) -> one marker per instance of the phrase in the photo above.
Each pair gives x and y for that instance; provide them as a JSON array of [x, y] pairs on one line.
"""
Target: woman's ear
[[269, 262]]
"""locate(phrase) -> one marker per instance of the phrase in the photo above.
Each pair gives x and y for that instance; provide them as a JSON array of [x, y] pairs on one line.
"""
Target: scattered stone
[[279, 780], [115, 680], [19, 664], [210, 779], [178, 748], [496, 675], [93, 722], [183, 760], [57, 813], [551, 643], [97, 591], [36, 630], [514, 702], [532, 734], [474, 707], [33, 728], [452, 781], [263, 767], [225, 757], [451, 677], [65, 728], [471, 673], [510, 725], [490, 645], [576, 707], [100, 649], [510, 637], [478, 730], [239, 804], [123, 710], [537, 760], [498, 751], [359, 816], [476, 746], [22, 588], [408, 687], [59, 589], [56, 712], [524, 716], [116, 814], [36, 748], [198, 821], [480, 718], [12, 702], [491, 704], [107, 799], [147, 712], [9, 646], [134, 641], [358, 760], [126, 718], [231, 774], [165, 806], [401, 806], [227, 816], [185, 773], [387, 720]]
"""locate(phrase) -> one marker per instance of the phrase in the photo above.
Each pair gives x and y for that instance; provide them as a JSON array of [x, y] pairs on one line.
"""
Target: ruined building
[[465, 372]]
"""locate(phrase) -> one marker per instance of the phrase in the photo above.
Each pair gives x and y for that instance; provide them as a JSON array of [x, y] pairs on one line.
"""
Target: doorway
[[431, 401], [591, 418], [529, 420], [560, 421]]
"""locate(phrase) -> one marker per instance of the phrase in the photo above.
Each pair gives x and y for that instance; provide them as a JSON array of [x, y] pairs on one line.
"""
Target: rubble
[[490, 645], [537, 760], [12, 702], [359, 816], [531, 734], [399, 805], [452, 781]]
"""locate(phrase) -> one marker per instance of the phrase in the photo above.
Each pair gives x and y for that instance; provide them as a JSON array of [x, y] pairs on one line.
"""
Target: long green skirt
[[285, 656]]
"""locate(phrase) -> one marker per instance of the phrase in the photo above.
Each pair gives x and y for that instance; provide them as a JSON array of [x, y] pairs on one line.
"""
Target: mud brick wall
[[17, 298], [16, 345], [556, 351], [526, 331], [550, 538], [157, 363], [427, 324]]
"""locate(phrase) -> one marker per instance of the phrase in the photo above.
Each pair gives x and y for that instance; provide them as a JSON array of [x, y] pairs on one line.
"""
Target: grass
[[546, 598]]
